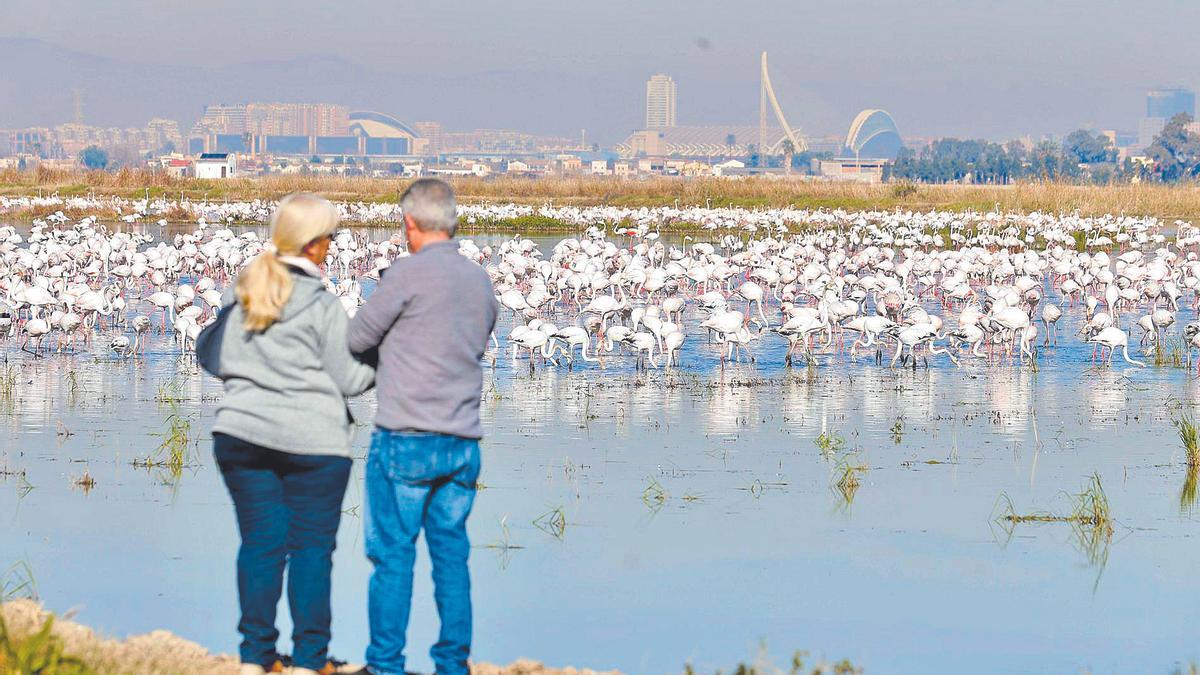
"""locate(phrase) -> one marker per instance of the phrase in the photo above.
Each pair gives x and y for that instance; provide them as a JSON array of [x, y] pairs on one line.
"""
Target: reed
[[1168, 202], [848, 481], [553, 523], [830, 443], [1089, 507], [1187, 494], [655, 495], [8, 381], [1189, 437], [174, 449], [85, 482], [18, 582]]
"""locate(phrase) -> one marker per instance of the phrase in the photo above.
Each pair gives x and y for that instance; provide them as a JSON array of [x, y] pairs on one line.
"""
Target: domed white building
[[873, 134]]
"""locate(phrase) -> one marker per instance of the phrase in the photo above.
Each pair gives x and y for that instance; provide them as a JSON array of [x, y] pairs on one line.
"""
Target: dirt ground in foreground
[[164, 652]]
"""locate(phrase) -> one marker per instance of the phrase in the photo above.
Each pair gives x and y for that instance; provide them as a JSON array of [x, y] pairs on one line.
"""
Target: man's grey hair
[[430, 202]]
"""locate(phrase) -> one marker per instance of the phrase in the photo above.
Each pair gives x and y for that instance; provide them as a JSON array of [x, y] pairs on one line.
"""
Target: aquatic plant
[[24, 487], [1185, 424], [73, 387], [18, 582], [655, 495], [170, 392], [1174, 358], [1089, 507], [504, 546], [848, 481], [898, 431], [8, 381], [553, 523], [174, 450], [1187, 494], [85, 482], [1090, 518], [830, 443]]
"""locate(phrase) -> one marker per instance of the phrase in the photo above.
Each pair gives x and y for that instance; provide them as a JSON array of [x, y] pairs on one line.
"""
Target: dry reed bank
[[1165, 201], [82, 652]]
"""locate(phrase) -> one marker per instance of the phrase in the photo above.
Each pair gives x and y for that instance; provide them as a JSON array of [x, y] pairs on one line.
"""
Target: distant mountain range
[[39, 78]]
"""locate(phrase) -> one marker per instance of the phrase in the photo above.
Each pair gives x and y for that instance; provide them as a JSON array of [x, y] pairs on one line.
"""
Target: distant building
[[176, 166], [222, 118], [363, 133], [1167, 103], [297, 119], [1148, 129], [728, 167], [706, 142], [381, 135], [851, 169], [216, 165], [432, 133], [164, 132], [873, 134], [1120, 139], [37, 142], [1162, 105], [660, 102], [501, 142]]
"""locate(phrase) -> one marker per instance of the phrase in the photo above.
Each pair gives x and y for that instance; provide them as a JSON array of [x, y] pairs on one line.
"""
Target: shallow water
[[700, 518]]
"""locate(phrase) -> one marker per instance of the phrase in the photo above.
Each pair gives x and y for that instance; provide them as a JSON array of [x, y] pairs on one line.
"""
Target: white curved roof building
[[873, 133]]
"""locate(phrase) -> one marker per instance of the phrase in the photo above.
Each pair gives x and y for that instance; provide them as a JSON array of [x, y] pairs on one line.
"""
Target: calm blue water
[[700, 516]]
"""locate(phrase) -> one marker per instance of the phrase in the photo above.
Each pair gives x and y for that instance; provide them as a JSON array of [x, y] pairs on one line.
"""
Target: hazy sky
[[969, 67]]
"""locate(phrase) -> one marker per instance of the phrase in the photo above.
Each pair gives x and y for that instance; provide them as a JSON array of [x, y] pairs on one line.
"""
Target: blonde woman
[[283, 431]]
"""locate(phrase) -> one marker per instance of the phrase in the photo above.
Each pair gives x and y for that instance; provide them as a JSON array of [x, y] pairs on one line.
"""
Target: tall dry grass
[[1163, 201], [163, 652], [157, 652]]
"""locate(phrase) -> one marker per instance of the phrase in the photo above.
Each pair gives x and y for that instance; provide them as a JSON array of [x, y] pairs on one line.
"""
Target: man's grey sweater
[[430, 317]]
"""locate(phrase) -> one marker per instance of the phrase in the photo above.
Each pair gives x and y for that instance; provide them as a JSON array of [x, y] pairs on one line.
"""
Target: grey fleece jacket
[[286, 388]]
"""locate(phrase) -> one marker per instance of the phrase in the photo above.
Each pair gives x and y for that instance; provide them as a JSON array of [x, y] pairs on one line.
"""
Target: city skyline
[[881, 58]]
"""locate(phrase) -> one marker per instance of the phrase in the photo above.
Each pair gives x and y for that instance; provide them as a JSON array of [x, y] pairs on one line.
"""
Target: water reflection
[[748, 515]]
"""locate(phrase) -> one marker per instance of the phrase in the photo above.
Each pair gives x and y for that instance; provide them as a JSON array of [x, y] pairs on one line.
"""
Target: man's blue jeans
[[419, 480], [288, 509]]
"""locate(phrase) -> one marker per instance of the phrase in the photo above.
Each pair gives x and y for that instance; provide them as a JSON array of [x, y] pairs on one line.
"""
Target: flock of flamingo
[[825, 283]]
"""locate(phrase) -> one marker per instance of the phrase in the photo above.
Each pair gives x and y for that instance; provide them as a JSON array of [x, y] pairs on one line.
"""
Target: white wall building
[[216, 165]]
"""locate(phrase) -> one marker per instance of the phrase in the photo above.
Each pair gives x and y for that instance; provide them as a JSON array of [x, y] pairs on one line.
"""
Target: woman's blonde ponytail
[[265, 285], [263, 288]]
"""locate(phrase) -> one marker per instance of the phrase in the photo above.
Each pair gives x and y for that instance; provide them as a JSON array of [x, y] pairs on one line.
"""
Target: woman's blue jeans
[[288, 509], [419, 480]]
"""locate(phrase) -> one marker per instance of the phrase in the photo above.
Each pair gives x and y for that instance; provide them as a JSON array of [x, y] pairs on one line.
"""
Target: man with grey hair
[[430, 318]]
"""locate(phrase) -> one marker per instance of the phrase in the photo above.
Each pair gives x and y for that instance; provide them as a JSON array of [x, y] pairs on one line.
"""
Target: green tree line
[[1082, 157]]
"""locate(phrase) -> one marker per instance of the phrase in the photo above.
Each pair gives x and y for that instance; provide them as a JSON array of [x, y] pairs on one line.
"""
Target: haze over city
[[966, 69], [846, 337]]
